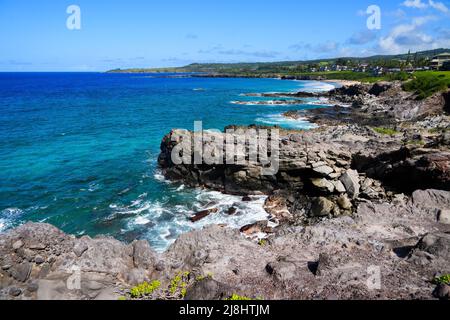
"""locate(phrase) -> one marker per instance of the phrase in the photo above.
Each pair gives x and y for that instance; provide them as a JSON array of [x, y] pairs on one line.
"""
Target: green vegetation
[[145, 289], [178, 285], [399, 76], [155, 70], [236, 297], [369, 69], [445, 279], [386, 131], [426, 83], [400, 61], [419, 143], [201, 278], [262, 242], [342, 75], [437, 130], [122, 298]]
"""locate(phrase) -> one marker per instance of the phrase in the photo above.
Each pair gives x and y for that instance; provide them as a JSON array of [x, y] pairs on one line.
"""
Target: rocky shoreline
[[360, 209]]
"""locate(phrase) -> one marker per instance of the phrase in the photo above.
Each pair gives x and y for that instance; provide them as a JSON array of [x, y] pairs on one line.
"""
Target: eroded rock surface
[[389, 250], [355, 213]]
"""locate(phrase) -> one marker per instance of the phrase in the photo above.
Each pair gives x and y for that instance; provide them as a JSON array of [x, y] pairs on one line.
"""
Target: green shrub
[[416, 142], [236, 297], [145, 289], [178, 285], [427, 83], [445, 279], [386, 131], [399, 76], [201, 278], [262, 242]]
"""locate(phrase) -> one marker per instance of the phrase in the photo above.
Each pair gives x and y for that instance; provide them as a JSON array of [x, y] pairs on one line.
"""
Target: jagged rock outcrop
[[380, 104], [327, 171], [38, 261], [340, 226], [388, 250]]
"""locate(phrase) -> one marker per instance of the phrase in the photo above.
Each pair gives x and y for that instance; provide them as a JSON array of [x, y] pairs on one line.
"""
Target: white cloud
[[439, 6], [408, 36], [415, 4], [220, 50], [361, 13], [362, 37], [323, 47], [418, 4]]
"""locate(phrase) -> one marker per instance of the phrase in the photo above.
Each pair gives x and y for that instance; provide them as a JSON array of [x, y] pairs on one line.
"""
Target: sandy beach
[[343, 82]]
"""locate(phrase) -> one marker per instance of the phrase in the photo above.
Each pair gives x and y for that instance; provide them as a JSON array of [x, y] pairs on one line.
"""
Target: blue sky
[[138, 33]]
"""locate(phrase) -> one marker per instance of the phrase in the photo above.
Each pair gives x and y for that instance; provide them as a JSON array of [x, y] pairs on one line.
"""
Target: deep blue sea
[[79, 150]]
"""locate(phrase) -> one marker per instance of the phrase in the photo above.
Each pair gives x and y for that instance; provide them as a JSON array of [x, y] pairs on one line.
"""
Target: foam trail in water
[[282, 121], [317, 86], [3, 225], [8, 216], [161, 222]]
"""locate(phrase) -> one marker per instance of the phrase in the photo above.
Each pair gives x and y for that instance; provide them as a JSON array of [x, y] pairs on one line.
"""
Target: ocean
[[79, 150]]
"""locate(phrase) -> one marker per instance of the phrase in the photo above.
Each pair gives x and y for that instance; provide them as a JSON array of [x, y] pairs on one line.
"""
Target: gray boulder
[[350, 180], [143, 255], [321, 207], [437, 244], [432, 199], [208, 289]]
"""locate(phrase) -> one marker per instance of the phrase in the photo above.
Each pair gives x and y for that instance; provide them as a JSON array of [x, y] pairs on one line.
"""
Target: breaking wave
[[282, 121]]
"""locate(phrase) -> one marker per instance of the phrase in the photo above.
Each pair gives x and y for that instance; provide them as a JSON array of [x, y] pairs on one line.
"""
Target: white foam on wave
[[163, 222], [268, 103], [282, 121], [141, 220], [248, 212], [3, 225], [317, 86], [8, 216], [11, 213], [93, 187], [160, 177]]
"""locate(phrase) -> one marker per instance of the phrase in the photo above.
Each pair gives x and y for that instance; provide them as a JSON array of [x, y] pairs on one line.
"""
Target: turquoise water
[[79, 150]]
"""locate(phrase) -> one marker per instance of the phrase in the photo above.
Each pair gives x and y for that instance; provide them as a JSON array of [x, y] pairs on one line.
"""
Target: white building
[[438, 61]]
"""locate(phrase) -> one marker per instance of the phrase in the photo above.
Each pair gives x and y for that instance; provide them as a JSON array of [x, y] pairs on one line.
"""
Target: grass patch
[[386, 131], [438, 130], [418, 143], [427, 83], [344, 75]]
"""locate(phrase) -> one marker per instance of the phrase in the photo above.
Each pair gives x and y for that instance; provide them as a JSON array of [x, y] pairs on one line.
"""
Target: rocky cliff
[[355, 212]]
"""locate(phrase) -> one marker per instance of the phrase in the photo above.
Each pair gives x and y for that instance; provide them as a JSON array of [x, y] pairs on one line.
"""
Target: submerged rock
[[203, 214]]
